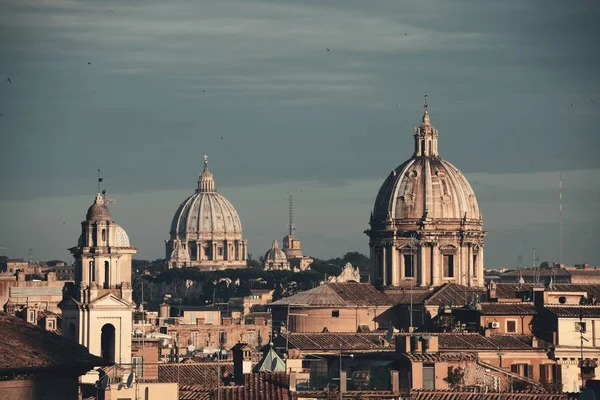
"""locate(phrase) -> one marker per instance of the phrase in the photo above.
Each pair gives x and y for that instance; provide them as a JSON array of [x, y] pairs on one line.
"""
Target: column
[[422, 266], [480, 265], [373, 263], [383, 264], [435, 267], [395, 265]]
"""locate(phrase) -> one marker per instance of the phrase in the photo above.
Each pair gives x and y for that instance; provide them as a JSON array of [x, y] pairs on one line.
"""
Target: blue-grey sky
[[144, 89]]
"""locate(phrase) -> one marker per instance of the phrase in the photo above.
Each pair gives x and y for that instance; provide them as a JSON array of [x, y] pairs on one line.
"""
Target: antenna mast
[[291, 214], [30, 256], [535, 267], [560, 221]]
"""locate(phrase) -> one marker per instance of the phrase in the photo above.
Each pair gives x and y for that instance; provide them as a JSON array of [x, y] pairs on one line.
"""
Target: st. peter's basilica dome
[[206, 231]]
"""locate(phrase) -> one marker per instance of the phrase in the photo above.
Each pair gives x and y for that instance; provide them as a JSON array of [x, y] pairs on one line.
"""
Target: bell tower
[[97, 307]]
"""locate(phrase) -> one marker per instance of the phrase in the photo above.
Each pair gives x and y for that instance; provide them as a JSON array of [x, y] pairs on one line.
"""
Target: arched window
[[103, 235], [106, 274], [107, 343]]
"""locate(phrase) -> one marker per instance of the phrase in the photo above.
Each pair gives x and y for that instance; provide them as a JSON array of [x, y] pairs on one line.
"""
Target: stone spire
[[206, 183], [426, 136]]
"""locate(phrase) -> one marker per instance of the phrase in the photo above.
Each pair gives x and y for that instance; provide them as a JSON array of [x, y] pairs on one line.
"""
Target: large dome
[[426, 186], [205, 214], [206, 230], [426, 227]]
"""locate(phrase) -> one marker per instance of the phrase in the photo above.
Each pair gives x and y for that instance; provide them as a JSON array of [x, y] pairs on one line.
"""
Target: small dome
[[98, 211], [121, 237], [275, 254]]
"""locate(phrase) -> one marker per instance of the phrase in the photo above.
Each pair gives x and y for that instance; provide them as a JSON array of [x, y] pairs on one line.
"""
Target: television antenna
[[291, 226], [130, 380], [560, 220], [102, 383], [389, 334]]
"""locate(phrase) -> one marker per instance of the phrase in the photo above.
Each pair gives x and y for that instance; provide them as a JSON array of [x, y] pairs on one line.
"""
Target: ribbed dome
[[275, 254], [426, 187], [98, 211], [206, 212], [121, 237]]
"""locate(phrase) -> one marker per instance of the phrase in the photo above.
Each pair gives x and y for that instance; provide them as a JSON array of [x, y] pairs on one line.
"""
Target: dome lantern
[[206, 182], [426, 136]]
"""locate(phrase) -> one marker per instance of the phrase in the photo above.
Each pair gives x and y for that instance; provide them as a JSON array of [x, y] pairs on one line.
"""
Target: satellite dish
[[130, 380], [390, 334], [102, 383], [587, 394], [191, 348]]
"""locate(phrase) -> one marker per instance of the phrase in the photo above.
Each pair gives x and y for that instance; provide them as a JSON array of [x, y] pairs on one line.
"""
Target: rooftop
[[348, 294], [511, 290], [507, 308], [453, 294], [465, 395], [28, 348], [205, 375], [333, 341], [260, 386], [475, 341], [575, 311]]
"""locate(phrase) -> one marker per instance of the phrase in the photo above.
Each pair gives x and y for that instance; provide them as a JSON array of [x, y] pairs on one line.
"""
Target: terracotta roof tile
[[348, 294], [26, 347], [453, 294], [333, 341], [441, 357], [194, 374], [463, 395], [512, 290], [575, 311], [507, 309], [260, 386]]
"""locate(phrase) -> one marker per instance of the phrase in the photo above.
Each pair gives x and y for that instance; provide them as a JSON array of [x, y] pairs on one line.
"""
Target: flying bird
[[571, 105], [8, 79], [221, 137], [327, 49], [203, 91], [89, 63], [591, 101], [405, 34]]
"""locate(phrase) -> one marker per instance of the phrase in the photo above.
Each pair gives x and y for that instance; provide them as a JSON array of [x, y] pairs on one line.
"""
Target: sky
[[143, 89]]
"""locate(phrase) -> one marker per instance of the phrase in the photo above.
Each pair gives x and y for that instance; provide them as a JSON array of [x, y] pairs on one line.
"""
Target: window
[[31, 318], [51, 325], [580, 327], [511, 326], [220, 251], [429, 376], [408, 266], [335, 314], [138, 365], [475, 266], [222, 337], [104, 235], [448, 265], [525, 370]]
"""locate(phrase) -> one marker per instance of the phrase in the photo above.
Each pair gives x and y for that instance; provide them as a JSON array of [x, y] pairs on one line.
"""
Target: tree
[[455, 378]]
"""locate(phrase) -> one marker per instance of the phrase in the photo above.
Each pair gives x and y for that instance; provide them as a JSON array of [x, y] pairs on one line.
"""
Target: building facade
[[97, 308], [206, 231], [275, 258], [426, 226]]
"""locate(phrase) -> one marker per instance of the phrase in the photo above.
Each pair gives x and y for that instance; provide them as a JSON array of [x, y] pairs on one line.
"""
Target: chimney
[[395, 382], [487, 332], [20, 276], [534, 342], [539, 297], [491, 291], [343, 381], [242, 362], [292, 381], [51, 276]]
